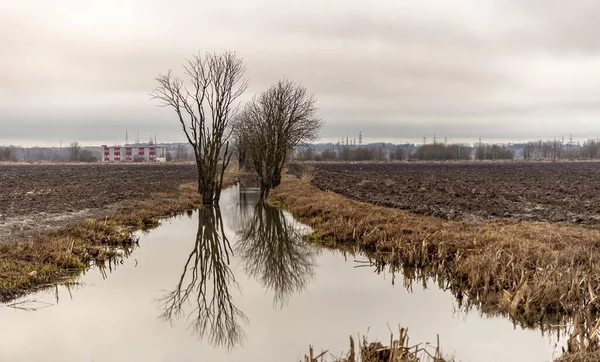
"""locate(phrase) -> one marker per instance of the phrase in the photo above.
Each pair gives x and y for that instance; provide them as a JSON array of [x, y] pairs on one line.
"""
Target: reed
[[399, 350]]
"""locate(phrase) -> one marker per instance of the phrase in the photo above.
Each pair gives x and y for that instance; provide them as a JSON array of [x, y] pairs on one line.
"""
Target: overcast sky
[[397, 70]]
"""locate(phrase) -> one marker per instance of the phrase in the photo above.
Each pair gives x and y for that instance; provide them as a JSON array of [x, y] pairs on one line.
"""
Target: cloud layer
[[502, 70]]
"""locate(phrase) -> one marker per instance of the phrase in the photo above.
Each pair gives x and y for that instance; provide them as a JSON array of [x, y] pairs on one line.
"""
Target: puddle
[[238, 284]]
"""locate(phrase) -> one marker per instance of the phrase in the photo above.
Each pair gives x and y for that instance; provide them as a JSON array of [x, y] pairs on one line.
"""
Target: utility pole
[[424, 140], [445, 141], [434, 139]]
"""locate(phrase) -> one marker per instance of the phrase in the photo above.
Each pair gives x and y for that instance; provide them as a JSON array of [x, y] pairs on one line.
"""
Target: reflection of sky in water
[[117, 319]]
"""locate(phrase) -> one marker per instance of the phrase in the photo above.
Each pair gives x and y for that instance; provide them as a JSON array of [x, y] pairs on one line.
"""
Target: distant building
[[137, 153]]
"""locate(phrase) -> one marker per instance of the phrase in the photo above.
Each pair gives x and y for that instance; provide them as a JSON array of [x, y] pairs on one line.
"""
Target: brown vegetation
[[535, 272], [399, 350]]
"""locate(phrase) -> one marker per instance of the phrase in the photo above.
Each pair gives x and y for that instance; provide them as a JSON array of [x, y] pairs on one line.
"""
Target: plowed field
[[563, 191]]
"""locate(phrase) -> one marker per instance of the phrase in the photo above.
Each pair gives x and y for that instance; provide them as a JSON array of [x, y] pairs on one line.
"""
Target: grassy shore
[[28, 264], [535, 272]]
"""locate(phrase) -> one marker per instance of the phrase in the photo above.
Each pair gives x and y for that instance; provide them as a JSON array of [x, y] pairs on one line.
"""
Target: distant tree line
[[428, 152], [555, 149], [442, 152], [352, 154], [77, 154], [493, 152], [8, 154], [73, 153]]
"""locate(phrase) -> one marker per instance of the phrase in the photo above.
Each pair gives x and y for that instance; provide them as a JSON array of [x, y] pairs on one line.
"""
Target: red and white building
[[140, 153]]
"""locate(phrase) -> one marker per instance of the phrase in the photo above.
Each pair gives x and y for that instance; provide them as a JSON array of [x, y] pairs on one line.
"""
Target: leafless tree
[[74, 150], [181, 153], [272, 124], [204, 108]]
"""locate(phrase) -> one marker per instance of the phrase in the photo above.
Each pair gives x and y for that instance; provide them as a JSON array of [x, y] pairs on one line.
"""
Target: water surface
[[237, 283]]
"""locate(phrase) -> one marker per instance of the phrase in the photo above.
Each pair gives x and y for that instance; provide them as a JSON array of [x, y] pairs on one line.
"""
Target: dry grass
[[30, 264], [398, 350], [531, 271]]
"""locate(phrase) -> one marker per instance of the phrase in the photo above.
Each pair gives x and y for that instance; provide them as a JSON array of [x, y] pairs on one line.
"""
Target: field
[[34, 197], [544, 191]]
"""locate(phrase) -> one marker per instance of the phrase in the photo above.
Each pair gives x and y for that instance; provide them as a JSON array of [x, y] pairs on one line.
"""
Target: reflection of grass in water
[[531, 271]]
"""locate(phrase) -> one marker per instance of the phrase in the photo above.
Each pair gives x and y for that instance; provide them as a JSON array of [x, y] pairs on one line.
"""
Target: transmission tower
[[570, 140], [360, 138]]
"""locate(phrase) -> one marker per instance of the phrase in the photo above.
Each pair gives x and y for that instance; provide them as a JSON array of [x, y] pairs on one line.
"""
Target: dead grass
[[531, 271], [49, 257], [398, 350]]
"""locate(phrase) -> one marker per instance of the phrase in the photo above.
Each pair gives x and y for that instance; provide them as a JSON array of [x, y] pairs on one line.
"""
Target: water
[[238, 284]]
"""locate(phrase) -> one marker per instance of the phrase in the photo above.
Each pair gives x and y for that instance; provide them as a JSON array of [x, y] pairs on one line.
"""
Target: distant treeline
[[427, 152], [494, 152], [558, 150], [352, 154], [8, 154], [74, 152], [442, 152]]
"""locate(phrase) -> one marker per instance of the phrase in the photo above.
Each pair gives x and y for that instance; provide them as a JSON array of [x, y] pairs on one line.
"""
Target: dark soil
[[562, 191], [38, 193]]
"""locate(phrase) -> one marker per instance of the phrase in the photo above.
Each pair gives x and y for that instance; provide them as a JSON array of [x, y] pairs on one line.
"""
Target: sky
[[397, 70]]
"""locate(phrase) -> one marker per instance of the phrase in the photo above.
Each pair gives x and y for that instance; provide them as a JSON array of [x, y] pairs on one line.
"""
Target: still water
[[237, 283]]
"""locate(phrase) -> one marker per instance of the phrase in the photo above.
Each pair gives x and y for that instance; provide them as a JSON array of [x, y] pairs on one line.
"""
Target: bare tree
[[204, 109], [74, 150], [272, 124]]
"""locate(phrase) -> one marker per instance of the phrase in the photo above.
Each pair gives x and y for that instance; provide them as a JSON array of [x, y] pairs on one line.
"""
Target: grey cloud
[[513, 69]]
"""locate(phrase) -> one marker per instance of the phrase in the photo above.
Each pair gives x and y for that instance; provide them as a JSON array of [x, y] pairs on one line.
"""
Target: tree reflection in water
[[272, 250], [204, 284]]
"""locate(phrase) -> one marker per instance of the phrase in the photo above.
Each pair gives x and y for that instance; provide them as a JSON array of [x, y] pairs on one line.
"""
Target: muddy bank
[[38, 197], [533, 191]]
